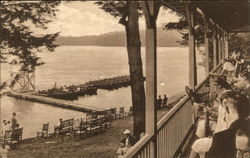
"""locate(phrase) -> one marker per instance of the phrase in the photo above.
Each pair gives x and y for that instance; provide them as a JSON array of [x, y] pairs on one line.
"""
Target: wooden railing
[[172, 130]]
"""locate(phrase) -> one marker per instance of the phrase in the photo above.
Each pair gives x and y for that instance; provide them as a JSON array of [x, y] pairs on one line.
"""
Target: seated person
[[246, 89], [242, 82], [243, 141], [159, 102], [211, 106], [122, 150], [165, 100], [229, 70], [129, 140], [223, 142]]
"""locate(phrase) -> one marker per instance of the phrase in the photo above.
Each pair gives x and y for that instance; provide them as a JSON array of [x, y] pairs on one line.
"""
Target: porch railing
[[172, 130]]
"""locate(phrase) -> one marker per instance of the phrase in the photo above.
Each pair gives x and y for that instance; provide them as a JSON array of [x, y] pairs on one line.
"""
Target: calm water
[[78, 64]]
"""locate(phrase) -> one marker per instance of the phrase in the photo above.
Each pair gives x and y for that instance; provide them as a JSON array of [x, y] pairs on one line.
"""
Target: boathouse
[[170, 136]]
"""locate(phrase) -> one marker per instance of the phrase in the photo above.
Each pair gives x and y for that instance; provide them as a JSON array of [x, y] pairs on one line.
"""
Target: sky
[[86, 18]]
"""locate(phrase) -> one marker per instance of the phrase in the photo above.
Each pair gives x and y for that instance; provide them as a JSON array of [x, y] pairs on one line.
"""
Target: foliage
[[239, 42], [117, 8], [182, 27], [17, 38]]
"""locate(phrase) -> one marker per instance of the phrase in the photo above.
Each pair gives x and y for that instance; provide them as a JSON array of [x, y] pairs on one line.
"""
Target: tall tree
[[17, 39], [182, 27], [128, 12]]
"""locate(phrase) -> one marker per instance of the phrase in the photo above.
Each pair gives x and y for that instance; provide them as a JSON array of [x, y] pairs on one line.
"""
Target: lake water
[[78, 64]]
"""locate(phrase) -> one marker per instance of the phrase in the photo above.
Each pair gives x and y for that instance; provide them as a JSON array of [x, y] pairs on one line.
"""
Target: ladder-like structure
[[22, 81]]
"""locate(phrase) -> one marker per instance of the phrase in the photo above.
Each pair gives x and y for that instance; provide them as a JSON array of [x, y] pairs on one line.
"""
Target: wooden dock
[[56, 102]]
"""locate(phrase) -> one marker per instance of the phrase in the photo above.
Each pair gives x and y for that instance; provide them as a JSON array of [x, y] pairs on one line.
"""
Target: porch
[[170, 136]]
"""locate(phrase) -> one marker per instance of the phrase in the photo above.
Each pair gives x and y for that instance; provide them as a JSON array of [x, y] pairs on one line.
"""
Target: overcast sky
[[85, 18]]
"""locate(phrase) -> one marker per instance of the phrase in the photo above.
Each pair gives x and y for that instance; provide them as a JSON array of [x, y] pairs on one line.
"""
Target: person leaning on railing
[[222, 143], [216, 125]]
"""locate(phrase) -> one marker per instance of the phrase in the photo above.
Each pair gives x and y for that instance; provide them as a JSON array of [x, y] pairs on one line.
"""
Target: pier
[[89, 88], [56, 102]]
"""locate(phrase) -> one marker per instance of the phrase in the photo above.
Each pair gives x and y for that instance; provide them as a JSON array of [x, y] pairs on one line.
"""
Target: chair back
[[113, 110], [97, 122], [19, 132], [76, 123], [88, 116], [67, 123], [7, 134], [45, 127], [122, 110]]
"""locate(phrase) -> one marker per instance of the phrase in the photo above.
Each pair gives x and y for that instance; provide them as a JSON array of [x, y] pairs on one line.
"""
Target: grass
[[102, 145]]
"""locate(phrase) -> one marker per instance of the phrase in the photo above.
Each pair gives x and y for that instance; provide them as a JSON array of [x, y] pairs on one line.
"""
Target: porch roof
[[230, 15]]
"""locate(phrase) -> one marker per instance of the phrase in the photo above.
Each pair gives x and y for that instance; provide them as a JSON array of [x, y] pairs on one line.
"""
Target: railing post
[[151, 10], [192, 53]]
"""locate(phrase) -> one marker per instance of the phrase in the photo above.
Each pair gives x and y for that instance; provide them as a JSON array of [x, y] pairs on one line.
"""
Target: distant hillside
[[165, 39]]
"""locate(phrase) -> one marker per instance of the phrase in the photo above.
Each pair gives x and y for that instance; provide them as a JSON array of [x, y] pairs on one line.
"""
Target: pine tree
[[16, 36], [129, 12]]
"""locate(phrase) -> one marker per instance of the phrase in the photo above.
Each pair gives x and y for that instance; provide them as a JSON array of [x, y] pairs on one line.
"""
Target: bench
[[80, 130], [13, 138], [113, 113], [121, 113], [65, 127], [107, 121], [91, 116], [45, 131], [95, 125]]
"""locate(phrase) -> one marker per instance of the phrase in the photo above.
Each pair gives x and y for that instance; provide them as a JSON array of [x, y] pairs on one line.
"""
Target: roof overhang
[[230, 15]]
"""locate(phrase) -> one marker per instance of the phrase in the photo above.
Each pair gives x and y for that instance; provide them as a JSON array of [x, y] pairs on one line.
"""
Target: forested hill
[[165, 39]]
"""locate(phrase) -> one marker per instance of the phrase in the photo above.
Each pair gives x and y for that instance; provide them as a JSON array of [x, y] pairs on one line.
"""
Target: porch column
[[207, 47], [219, 47], [223, 46], [226, 46], [192, 53], [151, 10], [215, 48]]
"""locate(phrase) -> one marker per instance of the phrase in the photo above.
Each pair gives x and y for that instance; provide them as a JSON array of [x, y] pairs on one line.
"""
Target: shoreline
[[104, 144], [162, 111]]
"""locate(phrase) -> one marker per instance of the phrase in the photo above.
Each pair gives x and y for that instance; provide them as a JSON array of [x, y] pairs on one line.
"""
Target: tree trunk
[[135, 67]]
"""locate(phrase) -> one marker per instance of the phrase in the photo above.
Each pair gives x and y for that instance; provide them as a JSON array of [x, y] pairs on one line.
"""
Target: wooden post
[[207, 63], [215, 48], [151, 10], [219, 48], [226, 46], [192, 53], [222, 46]]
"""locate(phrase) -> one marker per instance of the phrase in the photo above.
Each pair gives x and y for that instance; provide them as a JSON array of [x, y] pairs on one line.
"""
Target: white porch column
[[151, 10], [219, 47], [207, 51], [223, 45], [215, 48], [192, 53], [226, 46]]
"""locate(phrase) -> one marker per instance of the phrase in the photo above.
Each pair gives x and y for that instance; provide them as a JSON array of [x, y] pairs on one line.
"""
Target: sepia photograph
[[125, 79]]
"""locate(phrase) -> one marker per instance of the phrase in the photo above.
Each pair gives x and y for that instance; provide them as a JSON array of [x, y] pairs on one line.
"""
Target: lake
[[78, 64]]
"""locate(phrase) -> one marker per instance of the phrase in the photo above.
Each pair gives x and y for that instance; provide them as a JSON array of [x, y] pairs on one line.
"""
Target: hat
[[126, 131], [228, 66]]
